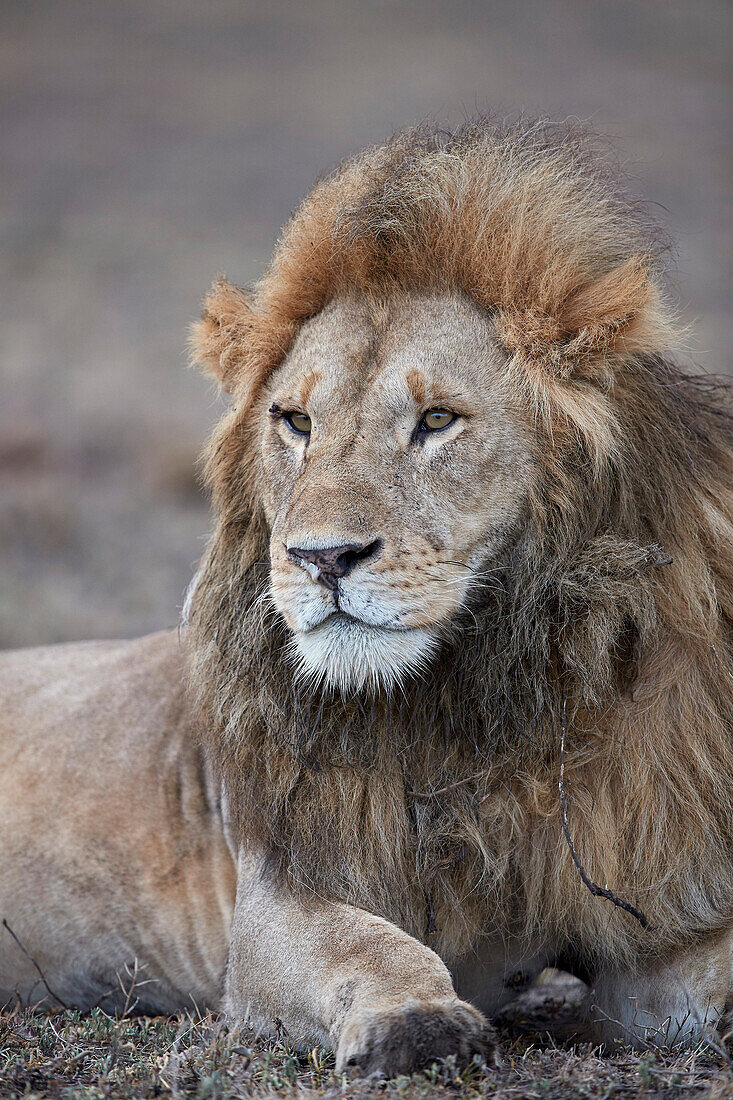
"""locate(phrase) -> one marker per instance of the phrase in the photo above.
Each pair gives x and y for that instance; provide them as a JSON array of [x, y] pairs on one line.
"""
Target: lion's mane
[[439, 808]]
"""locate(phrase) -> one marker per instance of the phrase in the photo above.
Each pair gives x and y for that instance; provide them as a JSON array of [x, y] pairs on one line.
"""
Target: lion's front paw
[[411, 1036]]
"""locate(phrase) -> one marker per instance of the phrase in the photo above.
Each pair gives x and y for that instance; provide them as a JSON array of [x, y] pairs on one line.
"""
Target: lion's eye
[[436, 419], [300, 422]]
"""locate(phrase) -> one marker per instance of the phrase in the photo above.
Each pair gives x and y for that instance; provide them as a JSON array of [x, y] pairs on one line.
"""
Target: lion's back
[[89, 697]]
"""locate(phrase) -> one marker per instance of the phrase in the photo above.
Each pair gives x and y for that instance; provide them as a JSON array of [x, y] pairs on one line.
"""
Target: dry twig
[[28, 955], [595, 889]]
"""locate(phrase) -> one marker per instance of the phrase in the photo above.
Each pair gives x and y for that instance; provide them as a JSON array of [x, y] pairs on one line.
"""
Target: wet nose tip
[[334, 562]]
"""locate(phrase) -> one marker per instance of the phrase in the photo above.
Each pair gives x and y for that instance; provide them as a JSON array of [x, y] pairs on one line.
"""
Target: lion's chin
[[348, 655]]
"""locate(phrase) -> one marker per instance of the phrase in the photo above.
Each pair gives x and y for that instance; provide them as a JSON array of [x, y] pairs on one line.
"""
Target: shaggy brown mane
[[439, 808]]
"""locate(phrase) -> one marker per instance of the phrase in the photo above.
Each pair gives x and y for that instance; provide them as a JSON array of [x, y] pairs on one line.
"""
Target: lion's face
[[396, 471]]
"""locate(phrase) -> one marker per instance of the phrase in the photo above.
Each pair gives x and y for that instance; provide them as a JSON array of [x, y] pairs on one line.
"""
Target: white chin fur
[[350, 655]]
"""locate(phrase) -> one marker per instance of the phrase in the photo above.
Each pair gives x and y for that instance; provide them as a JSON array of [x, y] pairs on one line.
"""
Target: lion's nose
[[334, 562]]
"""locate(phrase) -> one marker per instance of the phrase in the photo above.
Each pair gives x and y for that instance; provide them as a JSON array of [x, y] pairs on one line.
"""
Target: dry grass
[[70, 1055]]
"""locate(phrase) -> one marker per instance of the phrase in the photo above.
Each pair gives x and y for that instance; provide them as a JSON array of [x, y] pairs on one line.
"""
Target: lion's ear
[[611, 301], [219, 340], [622, 309]]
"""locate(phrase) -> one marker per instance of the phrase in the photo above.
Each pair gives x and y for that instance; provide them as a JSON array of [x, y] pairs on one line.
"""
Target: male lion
[[460, 647]]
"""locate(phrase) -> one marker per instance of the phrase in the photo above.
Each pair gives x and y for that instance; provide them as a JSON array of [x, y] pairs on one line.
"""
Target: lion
[[452, 700]]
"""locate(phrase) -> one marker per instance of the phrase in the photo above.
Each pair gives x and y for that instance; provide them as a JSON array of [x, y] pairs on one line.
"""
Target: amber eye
[[436, 419], [300, 422]]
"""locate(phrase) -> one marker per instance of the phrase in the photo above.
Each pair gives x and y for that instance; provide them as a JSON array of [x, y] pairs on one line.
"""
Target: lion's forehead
[[387, 357]]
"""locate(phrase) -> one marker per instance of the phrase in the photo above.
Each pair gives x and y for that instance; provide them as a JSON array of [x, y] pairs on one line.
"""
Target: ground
[[73, 1056]]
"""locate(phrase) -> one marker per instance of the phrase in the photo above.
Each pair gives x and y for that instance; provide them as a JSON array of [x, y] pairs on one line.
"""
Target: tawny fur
[[439, 809]]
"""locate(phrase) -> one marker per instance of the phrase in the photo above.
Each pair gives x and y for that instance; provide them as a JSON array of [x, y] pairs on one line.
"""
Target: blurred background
[[147, 145]]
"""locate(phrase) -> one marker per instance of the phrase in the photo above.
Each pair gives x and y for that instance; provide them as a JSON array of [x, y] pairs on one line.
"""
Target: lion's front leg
[[338, 976]]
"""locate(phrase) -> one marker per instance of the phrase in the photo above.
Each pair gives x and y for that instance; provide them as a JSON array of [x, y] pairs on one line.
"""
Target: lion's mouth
[[338, 615]]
